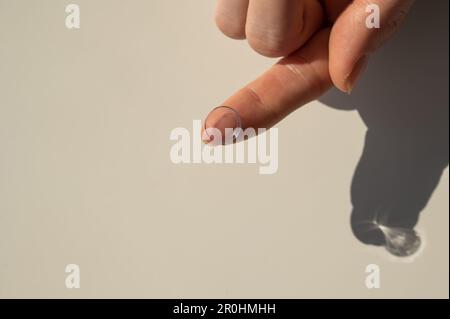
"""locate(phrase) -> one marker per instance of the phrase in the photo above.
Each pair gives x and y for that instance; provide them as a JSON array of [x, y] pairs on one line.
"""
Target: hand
[[324, 42]]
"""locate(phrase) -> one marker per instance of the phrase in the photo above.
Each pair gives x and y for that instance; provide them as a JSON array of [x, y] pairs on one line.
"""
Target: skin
[[322, 42]]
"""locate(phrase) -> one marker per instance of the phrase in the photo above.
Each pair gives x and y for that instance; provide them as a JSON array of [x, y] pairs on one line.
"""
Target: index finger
[[294, 81]]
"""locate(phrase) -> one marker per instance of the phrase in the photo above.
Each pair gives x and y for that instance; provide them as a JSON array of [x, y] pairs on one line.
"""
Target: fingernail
[[206, 138], [219, 120], [358, 70]]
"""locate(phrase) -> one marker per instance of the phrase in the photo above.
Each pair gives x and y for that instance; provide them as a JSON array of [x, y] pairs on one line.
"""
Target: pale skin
[[323, 43]]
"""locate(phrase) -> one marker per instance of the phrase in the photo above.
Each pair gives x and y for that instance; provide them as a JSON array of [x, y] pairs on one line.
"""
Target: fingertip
[[220, 125], [231, 29], [230, 18], [270, 47]]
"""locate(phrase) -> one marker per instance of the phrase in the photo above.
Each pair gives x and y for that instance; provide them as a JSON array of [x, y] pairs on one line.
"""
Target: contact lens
[[227, 121]]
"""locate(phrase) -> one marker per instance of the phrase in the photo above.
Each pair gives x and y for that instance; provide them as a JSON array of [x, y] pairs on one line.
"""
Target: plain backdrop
[[86, 178]]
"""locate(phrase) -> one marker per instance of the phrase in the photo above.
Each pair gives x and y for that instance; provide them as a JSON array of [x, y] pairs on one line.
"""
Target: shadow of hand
[[403, 100]]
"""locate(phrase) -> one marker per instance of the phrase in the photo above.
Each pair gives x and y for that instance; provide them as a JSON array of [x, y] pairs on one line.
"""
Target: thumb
[[355, 35]]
